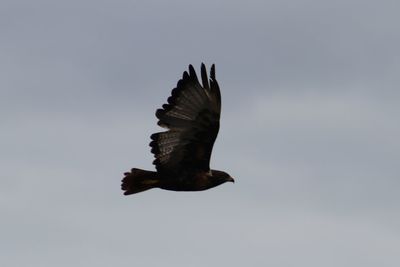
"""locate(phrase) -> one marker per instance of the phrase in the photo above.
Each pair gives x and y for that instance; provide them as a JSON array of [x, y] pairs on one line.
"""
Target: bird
[[182, 153]]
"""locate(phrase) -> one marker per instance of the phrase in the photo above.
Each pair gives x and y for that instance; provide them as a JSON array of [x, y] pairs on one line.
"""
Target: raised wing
[[192, 117]]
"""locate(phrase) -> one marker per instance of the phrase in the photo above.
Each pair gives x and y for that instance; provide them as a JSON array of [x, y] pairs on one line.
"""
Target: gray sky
[[310, 130]]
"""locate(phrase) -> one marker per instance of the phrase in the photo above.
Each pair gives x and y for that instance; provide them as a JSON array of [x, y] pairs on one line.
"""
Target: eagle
[[182, 153]]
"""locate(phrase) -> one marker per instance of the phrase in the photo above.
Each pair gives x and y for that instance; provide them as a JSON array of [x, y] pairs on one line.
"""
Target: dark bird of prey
[[182, 153]]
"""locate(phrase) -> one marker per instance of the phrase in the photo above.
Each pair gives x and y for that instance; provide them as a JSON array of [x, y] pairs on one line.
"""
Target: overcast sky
[[309, 129]]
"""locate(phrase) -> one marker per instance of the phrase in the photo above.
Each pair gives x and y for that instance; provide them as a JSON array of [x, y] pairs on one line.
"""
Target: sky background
[[310, 131]]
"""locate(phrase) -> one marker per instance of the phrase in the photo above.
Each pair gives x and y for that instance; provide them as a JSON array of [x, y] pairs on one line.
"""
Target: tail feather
[[139, 180]]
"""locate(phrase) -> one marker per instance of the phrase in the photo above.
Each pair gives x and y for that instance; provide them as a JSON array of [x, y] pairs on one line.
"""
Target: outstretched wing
[[192, 117]]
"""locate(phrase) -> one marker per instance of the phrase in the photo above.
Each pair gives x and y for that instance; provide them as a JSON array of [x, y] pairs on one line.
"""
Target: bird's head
[[221, 176]]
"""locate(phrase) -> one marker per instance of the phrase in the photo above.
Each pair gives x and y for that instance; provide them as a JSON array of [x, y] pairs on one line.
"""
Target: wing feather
[[192, 119]]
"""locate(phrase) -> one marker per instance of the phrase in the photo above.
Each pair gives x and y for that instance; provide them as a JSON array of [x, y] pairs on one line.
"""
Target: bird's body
[[182, 154]]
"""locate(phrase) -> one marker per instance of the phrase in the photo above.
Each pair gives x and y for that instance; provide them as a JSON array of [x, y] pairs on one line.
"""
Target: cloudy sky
[[310, 130]]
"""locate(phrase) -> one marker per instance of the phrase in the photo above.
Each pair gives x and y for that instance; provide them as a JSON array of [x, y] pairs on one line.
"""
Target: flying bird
[[182, 153]]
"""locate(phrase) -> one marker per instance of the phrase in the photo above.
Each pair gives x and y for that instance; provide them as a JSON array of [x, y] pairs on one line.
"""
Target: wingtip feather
[[212, 72], [204, 78], [192, 74]]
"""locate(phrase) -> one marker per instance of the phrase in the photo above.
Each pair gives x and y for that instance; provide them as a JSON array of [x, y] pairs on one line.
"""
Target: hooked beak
[[231, 180]]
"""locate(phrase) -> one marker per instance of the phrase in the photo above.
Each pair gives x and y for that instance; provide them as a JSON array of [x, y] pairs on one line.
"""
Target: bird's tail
[[139, 180]]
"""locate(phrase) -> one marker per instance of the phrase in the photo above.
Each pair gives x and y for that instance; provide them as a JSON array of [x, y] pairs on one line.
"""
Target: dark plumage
[[182, 154]]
